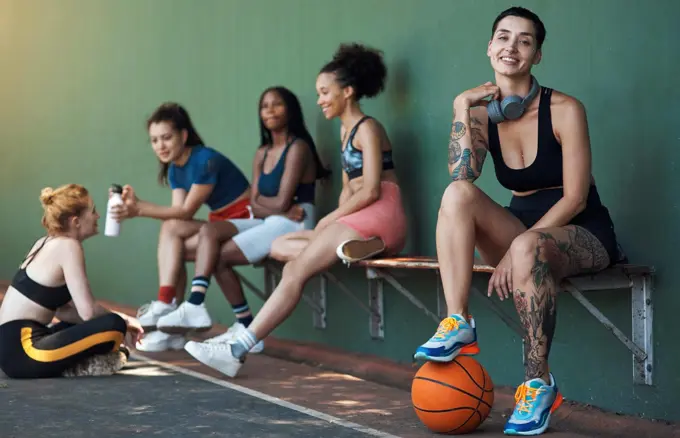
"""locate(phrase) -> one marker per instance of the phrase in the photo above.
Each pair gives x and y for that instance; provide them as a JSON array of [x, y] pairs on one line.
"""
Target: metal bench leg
[[643, 317], [319, 298], [376, 322], [317, 302], [641, 311]]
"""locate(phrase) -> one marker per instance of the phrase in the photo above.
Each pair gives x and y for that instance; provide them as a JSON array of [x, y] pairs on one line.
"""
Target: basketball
[[454, 397]]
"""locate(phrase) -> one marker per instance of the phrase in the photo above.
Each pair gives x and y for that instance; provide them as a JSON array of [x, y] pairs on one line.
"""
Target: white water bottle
[[112, 226]]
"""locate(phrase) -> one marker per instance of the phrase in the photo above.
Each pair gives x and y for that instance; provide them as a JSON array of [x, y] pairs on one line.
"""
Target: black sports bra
[[353, 158], [50, 297], [546, 170]]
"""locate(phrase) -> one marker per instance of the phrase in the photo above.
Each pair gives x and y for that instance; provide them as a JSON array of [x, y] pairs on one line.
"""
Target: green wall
[[78, 79]]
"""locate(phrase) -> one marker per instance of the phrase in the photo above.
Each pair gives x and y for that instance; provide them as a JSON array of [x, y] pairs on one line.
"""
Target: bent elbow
[[372, 194], [86, 314], [283, 205], [579, 204], [186, 215]]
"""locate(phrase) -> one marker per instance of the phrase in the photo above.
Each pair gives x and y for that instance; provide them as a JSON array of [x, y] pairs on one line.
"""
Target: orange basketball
[[454, 397]]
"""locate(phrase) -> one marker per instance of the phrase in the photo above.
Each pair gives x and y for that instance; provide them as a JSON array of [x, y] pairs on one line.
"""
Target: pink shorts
[[385, 218]]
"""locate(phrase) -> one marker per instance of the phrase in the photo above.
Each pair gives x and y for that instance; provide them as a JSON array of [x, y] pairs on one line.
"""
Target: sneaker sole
[[357, 250], [176, 330], [158, 350], [467, 350], [556, 404]]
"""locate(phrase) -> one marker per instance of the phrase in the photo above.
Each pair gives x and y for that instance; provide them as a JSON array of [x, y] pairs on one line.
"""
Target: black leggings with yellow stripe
[[32, 350]]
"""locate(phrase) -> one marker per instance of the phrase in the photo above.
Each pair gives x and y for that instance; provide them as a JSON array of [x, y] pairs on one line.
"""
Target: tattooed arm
[[468, 143]]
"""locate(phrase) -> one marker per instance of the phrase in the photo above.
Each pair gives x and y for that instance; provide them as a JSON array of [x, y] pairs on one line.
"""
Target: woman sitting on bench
[[369, 219], [286, 167], [52, 282], [555, 226]]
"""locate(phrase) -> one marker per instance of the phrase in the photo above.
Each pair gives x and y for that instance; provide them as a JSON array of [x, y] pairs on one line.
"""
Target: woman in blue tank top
[[285, 169], [554, 227], [197, 175]]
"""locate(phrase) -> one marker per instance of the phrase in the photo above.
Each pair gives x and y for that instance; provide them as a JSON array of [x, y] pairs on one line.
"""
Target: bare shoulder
[[299, 149], [371, 131], [67, 247], [566, 108], [259, 153], [299, 145]]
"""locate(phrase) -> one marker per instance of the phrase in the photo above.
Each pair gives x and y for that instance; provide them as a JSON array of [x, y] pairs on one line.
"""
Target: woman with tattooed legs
[[554, 227]]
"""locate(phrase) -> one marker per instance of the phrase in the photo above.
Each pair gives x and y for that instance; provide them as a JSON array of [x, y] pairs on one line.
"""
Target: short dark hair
[[360, 67], [518, 11]]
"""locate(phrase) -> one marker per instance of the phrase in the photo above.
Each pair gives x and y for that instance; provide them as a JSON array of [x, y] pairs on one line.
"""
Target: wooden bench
[[635, 278]]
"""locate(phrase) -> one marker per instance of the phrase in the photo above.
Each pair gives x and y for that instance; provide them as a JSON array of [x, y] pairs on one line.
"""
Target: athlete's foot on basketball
[[535, 401], [188, 317], [454, 336], [355, 250]]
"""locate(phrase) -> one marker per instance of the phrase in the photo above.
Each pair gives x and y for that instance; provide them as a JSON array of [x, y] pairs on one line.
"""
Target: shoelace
[[220, 338], [525, 396], [221, 346], [143, 309], [445, 327]]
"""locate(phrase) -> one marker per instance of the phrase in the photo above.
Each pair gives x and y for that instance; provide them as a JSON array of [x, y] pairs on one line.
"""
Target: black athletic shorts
[[594, 218]]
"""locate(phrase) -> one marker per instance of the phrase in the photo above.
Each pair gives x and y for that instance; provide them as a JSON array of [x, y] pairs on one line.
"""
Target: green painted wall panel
[[78, 79]]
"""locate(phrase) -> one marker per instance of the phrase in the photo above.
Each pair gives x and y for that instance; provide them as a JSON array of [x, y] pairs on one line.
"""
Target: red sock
[[166, 294]]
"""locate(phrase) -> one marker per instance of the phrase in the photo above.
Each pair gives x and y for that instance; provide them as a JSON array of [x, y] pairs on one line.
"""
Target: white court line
[[266, 397]]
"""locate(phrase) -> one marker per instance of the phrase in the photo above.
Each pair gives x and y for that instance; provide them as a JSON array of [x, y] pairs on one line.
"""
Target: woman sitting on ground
[[52, 282], [369, 219]]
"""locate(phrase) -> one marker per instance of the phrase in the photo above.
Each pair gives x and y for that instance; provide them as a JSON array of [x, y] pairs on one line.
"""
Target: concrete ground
[[293, 390]]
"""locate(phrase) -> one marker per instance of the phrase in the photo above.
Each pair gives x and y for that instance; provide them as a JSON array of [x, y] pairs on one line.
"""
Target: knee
[[293, 272], [457, 194], [208, 231], [278, 250], [115, 322], [171, 227], [526, 255]]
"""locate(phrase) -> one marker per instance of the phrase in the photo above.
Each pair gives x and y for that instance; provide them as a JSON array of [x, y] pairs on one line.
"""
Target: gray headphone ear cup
[[494, 111], [512, 107]]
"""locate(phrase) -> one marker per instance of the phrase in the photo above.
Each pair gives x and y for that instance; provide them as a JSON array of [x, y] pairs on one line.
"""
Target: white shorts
[[255, 236]]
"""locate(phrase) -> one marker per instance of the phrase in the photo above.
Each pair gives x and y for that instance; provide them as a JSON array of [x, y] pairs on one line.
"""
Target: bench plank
[[424, 262]]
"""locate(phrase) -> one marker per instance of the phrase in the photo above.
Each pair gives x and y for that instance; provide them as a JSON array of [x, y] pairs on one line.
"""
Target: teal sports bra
[[353, 158]]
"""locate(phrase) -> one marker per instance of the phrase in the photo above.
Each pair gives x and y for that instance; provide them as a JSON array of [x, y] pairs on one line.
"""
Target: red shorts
[[238, 210]]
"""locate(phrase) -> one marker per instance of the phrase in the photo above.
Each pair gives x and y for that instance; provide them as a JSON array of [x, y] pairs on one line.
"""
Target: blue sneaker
[[454, 336], [535, 402]]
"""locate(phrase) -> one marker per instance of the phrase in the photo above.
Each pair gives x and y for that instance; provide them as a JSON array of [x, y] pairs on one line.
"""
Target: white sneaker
[[187, 317], [159, 341], [354, 250], [229, 335], [215, 355], [149, 313]]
